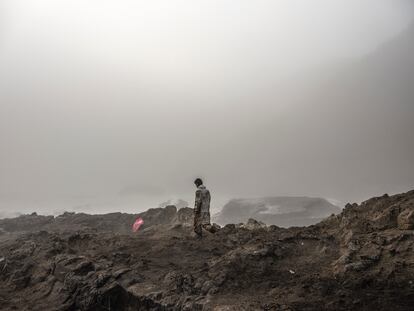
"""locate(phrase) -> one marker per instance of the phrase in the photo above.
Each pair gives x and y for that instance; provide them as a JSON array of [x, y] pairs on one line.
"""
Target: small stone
[[406, 220]]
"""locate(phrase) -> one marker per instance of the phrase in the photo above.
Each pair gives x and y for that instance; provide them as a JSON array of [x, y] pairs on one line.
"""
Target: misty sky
[[119, 105]]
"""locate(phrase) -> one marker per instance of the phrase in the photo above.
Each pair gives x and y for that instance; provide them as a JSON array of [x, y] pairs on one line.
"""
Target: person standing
[[201, 208]]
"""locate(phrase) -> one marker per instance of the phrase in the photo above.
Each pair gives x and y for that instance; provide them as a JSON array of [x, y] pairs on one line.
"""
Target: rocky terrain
[[360, 259], [280, 211]]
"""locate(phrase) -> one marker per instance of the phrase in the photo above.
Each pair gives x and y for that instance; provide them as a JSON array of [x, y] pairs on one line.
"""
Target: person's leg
[[197, 225], [205, 220]]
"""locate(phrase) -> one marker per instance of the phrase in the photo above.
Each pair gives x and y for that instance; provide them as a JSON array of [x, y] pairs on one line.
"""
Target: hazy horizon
[[119, 105]]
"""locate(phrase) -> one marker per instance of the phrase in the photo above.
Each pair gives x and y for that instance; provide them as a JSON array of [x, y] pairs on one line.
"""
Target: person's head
[[198, 182]]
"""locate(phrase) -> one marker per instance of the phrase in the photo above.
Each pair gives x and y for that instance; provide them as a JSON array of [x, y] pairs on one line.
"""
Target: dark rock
[[84, 267], [406, 220], [357, 260]]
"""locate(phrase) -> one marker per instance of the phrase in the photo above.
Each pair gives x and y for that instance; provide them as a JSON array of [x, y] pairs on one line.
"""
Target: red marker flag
[[137, 224]]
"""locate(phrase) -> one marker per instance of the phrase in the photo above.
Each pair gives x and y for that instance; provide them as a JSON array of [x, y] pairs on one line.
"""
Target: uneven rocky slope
[[361, 259], [113, 222]]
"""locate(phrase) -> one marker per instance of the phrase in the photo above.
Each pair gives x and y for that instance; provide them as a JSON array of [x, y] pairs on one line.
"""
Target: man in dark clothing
[[201, 208]]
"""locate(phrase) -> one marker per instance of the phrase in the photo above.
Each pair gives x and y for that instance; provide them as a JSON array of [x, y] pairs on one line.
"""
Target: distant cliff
[[280, 211]]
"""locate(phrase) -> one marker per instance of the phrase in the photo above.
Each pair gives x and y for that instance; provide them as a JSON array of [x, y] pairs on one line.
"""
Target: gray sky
[[108, 105]]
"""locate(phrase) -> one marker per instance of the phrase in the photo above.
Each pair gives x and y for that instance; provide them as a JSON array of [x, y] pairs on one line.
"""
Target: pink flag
[[137, 224]]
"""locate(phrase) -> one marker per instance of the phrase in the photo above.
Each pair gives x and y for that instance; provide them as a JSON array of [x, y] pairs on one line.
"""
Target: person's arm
[[197, 205]]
